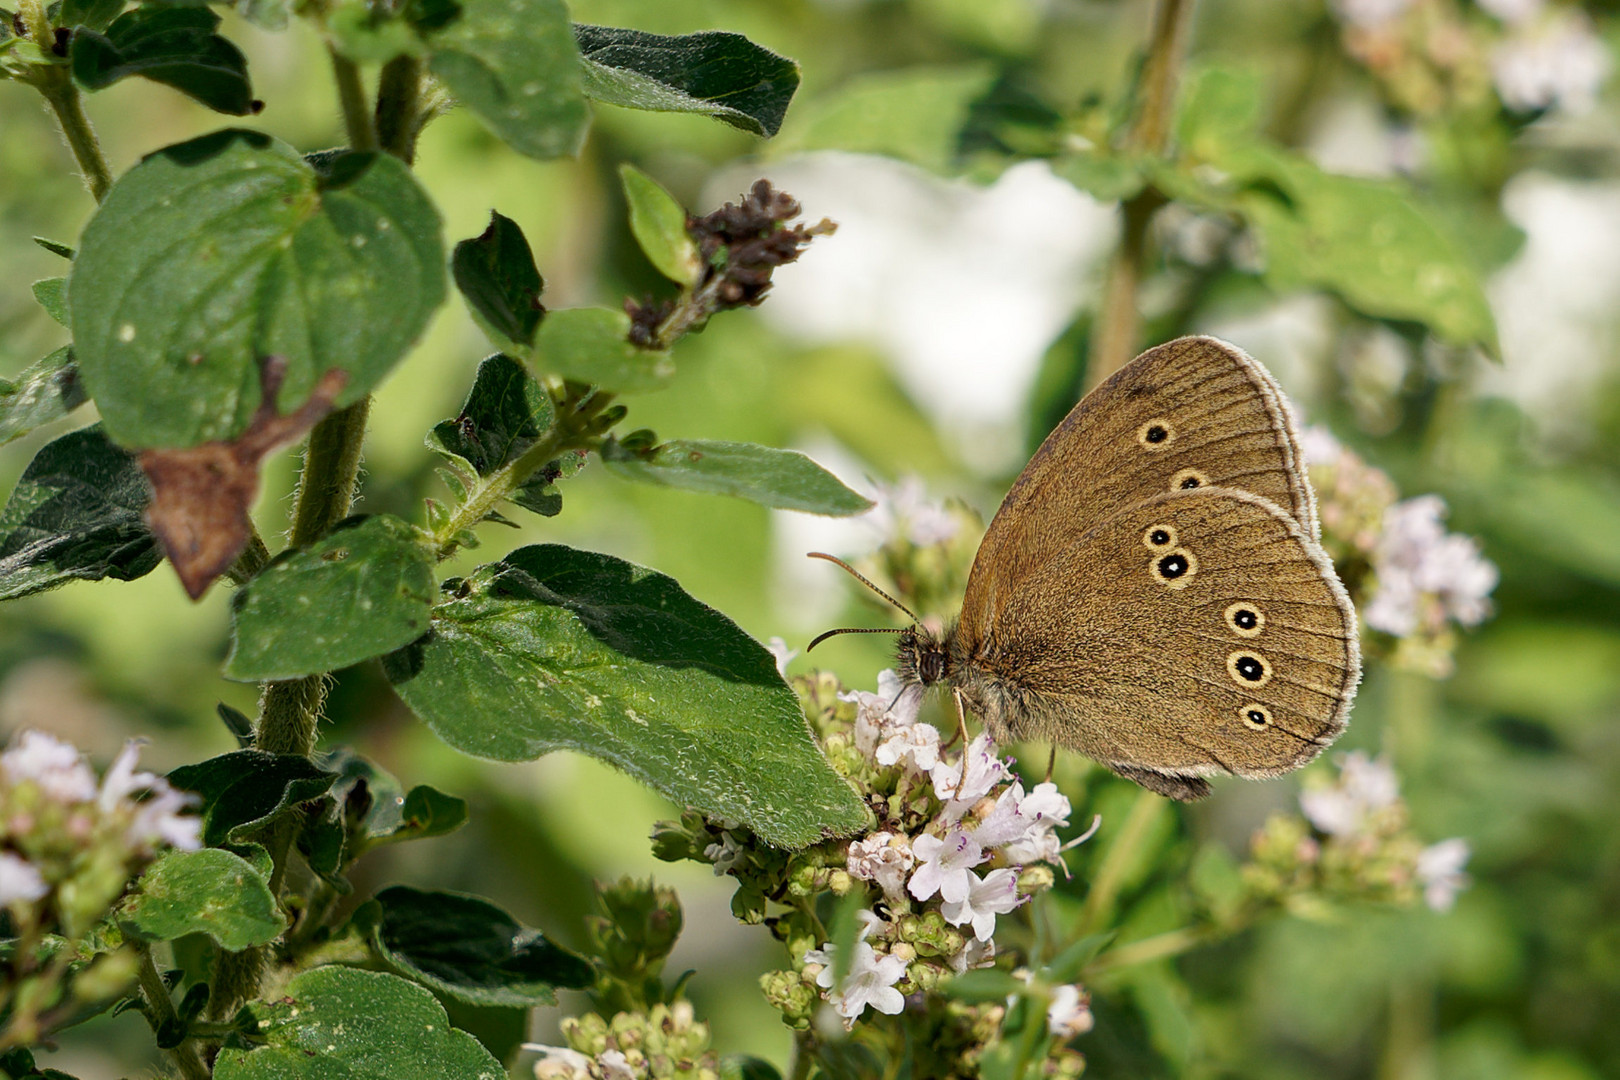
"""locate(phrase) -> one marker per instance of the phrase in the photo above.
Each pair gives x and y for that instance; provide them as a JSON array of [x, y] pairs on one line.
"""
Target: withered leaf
[[202, 494]]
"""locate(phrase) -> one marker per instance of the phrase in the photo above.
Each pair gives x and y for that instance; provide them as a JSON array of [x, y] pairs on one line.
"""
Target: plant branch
[[63, 97], [1119, 321], [490, 490], [1111, 874], [352, 97], [185, 1055]]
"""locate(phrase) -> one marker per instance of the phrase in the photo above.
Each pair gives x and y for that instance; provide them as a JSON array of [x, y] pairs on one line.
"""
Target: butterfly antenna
[[852, 630], [858, 576]]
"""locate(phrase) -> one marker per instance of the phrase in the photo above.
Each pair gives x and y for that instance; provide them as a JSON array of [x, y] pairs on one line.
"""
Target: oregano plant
[[938, 906]]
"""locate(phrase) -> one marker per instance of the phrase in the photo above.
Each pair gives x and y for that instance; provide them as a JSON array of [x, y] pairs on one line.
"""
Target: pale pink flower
[[615, 1066], [559, 1063], [884, 858], [994, 894], [1440, 869], [945, 865], [55, 766], [879, 715], [870, 981], [975, 954], [1555, 62], [1364, 787], [20, 881], [916, 746], [962, 783], [1069, 1014], [784, 655]]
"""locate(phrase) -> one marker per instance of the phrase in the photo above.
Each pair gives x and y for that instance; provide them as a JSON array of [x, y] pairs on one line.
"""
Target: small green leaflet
[[659, 225], [47, 391], [718, 74], [174, 45], [782, 479], [209, 892], [495, 271]]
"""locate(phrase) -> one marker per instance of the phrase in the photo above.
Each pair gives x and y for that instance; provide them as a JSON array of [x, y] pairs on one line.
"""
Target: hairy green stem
[[804, 1056], [254, 557], [331, 467], [490, 490], [399, 107], [1121, 853], [63, 97], [185, 1056], [1119, 321], [352, 97]]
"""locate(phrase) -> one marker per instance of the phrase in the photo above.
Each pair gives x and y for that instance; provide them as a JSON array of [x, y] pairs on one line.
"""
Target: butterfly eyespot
[[1245, 619], [1175, 568], [1187, 479], [1248, 668], [1255, 715], [1155, 434], [1159, 536]]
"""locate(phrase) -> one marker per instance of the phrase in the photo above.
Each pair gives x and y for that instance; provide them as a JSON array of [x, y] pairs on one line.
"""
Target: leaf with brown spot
[[202, 494]]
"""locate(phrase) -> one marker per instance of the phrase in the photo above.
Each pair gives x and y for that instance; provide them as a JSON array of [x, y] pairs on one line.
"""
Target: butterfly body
[[1151, 592]]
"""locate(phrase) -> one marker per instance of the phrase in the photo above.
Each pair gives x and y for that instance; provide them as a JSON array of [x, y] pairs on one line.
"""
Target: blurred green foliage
[[1519, 751]]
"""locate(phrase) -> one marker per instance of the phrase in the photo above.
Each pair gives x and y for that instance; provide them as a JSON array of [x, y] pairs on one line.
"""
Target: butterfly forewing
[[1199, 631], [1192, 413]]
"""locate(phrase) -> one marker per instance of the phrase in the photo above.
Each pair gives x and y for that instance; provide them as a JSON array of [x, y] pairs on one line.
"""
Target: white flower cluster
[[985, 815], [1366, 786], [1426, 574], [1548, 59], [903, 511], [58, 773]]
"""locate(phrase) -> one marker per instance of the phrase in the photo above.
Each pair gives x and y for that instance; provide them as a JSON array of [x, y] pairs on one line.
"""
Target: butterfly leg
[[961, 719]]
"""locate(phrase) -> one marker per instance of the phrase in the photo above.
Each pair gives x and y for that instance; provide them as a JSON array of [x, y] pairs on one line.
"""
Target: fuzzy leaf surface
[[554, 648], [177, 46], [44, 392], [340, 1023], [514, 64], [714, 72], [76, 514], [496, 274], [211, 254], [469, 949], [245, 790], [208, 891], [363, 590], [782, 479]]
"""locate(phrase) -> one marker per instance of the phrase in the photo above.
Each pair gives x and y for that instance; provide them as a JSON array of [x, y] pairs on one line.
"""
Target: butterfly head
[[921, 657]]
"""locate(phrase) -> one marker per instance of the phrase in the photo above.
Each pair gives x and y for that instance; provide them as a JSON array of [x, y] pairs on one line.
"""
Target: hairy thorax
[[1006, 709]]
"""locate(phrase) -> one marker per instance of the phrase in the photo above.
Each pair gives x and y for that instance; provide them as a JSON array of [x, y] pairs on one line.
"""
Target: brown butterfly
[[1151, 592]]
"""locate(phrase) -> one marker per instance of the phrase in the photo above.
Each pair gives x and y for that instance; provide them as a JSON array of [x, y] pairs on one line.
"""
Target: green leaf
[[591, 345], [514, 63], [245, 790], [43, 393], [55, 247], [1068, 964], [747, 1067], [363, 590], [1110, 179], [554, 648], [214, 253], [783, 479], [340, 1023], [915, 114], [506, 412], [988, 984], [76, 514], [1364, 240], [659, 225], [203, 892], [176, 46], [715, 73], [469, 949], [390, 814], [495, 271], [52, 296], [95, 14]]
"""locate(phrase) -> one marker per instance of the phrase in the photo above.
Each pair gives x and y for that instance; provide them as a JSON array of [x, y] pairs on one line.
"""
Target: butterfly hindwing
[[1197, 632]]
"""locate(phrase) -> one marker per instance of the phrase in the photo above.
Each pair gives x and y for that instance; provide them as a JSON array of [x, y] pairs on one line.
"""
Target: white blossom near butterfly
[[1365, 785], [994, 894], [1440, 870], [945, 865], [870, 981]]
